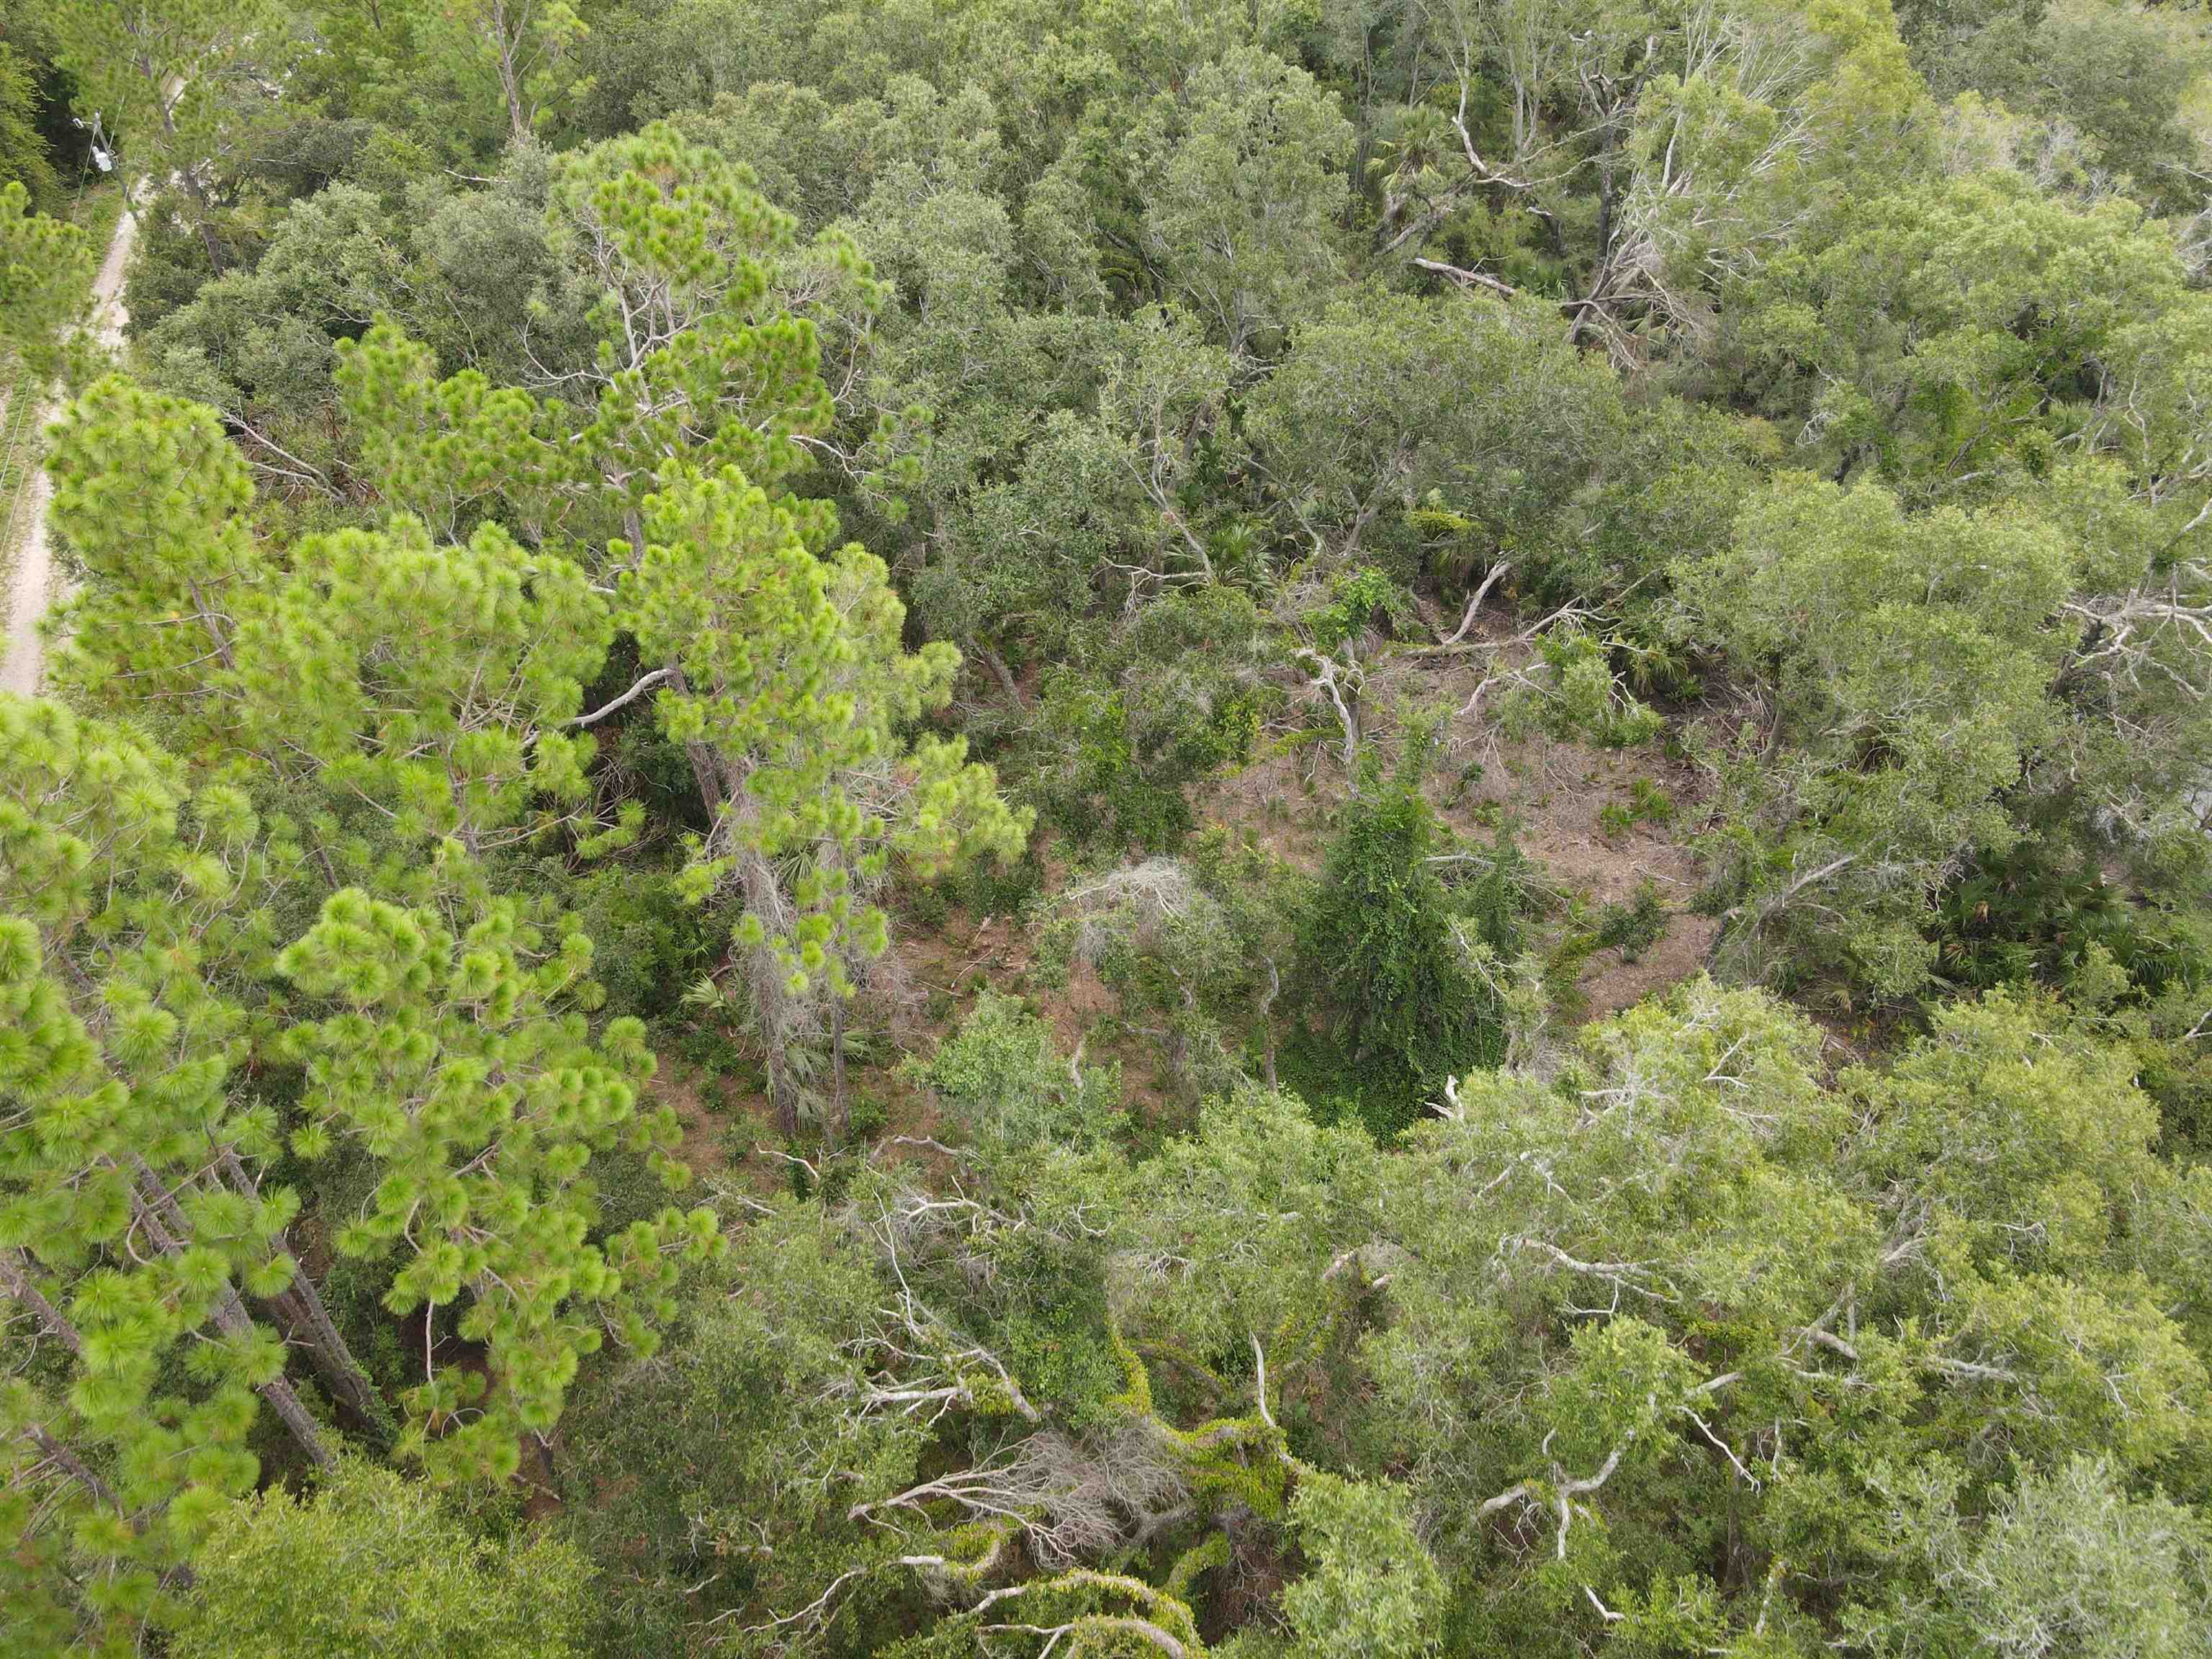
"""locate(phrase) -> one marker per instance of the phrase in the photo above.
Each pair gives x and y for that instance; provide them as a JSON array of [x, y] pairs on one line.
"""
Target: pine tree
[[456, 1053], [790, 673], [46, 274], [698, 351], [777, 663], [117, 1237], [184, 84], [430, 689], [150, 495]]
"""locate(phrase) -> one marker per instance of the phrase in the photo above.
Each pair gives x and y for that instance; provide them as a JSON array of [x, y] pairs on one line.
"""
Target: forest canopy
[[1324, 830]]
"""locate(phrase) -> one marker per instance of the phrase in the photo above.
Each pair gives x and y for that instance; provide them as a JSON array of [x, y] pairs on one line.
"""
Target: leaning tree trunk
[[722, 790], [61, 1457], [196, 187], [508, 53], [782, 1092], [307, 1322], [841, 1115], [15, 1279], [706, 762], [232, 1321], [775, 1009]]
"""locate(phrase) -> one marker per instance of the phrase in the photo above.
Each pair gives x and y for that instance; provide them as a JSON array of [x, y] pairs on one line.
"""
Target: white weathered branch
[[645, 683]]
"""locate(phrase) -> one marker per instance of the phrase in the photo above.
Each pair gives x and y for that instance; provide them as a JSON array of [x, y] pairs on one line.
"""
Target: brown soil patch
[[1610, 984], [684, 1086], [946, 966], [1553, 792], [1287, 800]]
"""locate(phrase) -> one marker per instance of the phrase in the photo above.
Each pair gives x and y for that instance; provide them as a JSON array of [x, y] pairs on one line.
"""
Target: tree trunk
[[69, 1463], [307, 1322], [782, 1094], [208, 240], [841, 1119], [510, 70], [1004, 676], [187, 176], [707, 773], [776, 1010], [231, 1319], [1268, 1021], [706, 764], [1617, 117], [15, 1279]]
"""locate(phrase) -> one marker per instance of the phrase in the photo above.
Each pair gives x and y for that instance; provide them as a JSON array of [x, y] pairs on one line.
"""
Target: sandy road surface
[[31, 578]]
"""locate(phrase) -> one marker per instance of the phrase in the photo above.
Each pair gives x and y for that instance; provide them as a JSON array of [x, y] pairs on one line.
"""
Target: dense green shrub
[[375, 1564], [1180, 693], [1001, 1079], [649, 947], [1391, 968]]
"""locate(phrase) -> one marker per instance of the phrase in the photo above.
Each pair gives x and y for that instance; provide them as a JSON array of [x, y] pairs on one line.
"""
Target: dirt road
[[31, 578]]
